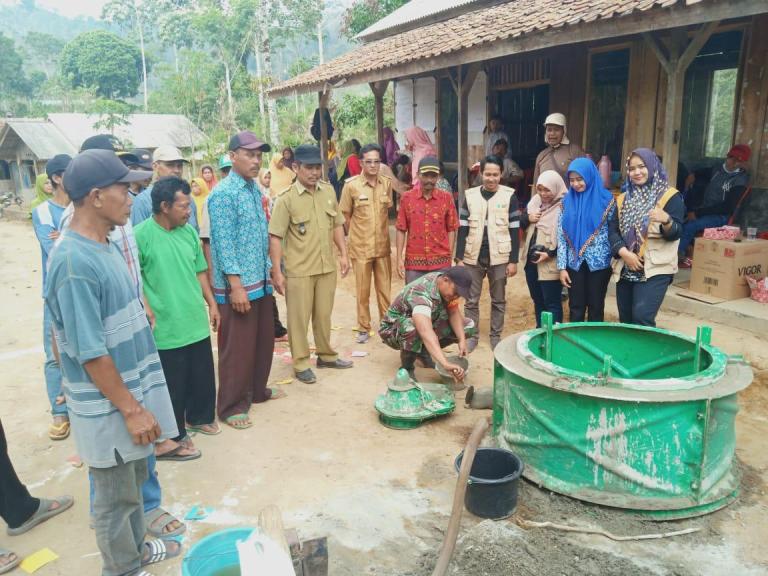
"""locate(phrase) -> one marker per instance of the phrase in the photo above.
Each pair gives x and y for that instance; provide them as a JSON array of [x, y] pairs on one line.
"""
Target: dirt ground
[[381, 496]]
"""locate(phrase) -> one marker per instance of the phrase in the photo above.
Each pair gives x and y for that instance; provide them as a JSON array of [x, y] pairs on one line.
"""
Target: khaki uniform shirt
[[305, 220], [557, 159], [368, 209]]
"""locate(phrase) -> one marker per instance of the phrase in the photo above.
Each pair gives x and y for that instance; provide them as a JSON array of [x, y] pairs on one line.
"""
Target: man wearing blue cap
[[307, 221], [46, 221], [116, 393]]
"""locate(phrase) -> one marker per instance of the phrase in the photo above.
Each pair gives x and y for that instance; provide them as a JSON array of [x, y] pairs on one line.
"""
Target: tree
[[103, 60], [132, 17], [44, 50], [365, 13], [13, 81]]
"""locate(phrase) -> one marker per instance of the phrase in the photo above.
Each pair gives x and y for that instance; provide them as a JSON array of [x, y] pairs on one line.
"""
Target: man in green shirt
[[173, 268]]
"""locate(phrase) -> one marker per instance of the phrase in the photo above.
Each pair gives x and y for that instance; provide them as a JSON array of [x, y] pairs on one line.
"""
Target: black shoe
[[426, 360], [306, 376], [338, 363]]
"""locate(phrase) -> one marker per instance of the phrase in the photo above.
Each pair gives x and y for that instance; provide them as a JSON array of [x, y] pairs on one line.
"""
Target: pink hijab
[[422, 146]]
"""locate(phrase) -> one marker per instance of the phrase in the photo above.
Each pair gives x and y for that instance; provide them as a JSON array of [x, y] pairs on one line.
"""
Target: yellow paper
[[34, 562], [283, 382]]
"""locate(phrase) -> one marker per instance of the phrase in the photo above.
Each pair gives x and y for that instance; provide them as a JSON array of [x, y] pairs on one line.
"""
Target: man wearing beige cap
[[166, 161], [559, 151]]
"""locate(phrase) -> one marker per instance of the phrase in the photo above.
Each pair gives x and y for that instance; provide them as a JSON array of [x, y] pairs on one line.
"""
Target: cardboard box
[[720, 267]]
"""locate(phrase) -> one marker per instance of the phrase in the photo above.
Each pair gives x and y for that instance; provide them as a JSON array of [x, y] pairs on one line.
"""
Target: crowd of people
[[141, 265]]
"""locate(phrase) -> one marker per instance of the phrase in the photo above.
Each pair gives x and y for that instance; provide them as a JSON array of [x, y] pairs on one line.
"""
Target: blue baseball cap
[[98, 169]]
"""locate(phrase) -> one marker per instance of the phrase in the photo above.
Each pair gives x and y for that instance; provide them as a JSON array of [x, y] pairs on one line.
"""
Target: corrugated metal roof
[[42, 137], [411, 13], [143, 131], [514, 21]]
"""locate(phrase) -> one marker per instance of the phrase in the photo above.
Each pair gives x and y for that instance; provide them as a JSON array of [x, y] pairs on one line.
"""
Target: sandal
[[174, 456], [158, 531], [159, 551], [43, 513], [239, 421], [59, 431], [276, 393], [12, 564], [211, 429]]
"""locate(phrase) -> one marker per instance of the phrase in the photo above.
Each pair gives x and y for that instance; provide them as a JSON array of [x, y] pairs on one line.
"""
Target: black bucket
[[493, 482]]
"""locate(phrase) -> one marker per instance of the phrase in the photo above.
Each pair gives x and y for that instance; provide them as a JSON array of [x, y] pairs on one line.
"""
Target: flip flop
[[158, 551], [8, 567], [200, 430], [229, 420], [154, 515], [43, 513], [59, 431], [174, 456], [276, 394]]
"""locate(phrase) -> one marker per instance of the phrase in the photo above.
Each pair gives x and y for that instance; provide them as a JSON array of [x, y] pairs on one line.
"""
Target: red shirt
[[427, 223]]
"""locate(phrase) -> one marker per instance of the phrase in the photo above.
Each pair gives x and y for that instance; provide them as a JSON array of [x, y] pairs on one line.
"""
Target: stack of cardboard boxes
[[721, 267]]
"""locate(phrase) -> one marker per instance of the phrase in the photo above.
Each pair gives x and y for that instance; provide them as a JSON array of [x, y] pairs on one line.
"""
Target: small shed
[[688, 78], [26, 144]]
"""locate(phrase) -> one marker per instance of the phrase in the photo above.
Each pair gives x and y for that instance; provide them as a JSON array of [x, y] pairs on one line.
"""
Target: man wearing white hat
[[559, 151], [166, 161]]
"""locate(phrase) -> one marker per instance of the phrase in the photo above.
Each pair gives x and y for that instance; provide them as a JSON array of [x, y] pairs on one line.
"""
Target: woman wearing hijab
[[209, 175], [200, 192], [583, 250], [644, 235], [390, 147], [288, 157], [420, 145], [281, 175], [540, 247], [349, 163], [43, 191]]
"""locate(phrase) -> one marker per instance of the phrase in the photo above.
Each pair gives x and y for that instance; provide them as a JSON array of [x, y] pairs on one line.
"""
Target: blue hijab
[[584, 212]]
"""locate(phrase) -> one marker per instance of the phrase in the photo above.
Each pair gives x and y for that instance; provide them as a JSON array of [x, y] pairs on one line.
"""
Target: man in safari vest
[[489, 244]]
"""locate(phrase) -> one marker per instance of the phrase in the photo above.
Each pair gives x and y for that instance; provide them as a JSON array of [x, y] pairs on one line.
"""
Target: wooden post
[[323, 98], [675, 61], [465, 78], [379, 89]]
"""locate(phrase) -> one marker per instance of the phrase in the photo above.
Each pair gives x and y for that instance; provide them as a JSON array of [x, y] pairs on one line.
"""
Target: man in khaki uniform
[[365, 203], [306, 222]]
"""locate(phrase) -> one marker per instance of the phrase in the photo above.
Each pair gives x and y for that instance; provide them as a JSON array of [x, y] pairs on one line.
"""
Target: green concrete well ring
[[626, 416]]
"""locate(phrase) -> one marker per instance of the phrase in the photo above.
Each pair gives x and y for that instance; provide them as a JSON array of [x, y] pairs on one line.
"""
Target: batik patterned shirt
[[239, 238], [427, 223]]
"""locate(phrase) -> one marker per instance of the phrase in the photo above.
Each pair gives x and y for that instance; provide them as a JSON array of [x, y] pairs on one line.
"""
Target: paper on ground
[[35, 561]]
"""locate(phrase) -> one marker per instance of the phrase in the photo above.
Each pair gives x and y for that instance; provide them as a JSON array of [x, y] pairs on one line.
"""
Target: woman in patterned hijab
[[644, 233]]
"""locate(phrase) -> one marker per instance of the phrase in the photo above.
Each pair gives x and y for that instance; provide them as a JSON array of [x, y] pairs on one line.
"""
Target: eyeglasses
[[371, 162]]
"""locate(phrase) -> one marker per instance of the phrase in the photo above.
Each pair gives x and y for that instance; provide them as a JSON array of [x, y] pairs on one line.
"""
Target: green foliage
[[112, 113], [365, 13], [41, 51], [105, 61], [12, 79]]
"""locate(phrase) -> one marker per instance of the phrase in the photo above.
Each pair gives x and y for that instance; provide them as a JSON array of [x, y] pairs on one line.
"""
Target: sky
[[69, 7]]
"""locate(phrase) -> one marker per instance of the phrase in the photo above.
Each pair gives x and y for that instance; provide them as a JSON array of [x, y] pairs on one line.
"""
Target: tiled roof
[[479, 26]]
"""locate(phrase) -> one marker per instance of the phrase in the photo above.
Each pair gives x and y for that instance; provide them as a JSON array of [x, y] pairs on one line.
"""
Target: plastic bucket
[[216, 553], [493, 483]]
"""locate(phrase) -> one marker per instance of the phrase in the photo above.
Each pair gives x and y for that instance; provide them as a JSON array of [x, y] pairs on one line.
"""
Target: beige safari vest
[[495, 215], [659, 254], [547, 269]]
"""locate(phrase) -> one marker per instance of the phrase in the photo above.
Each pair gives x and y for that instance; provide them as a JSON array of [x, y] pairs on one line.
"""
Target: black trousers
[[639, 302], [191, 380], [587, 293], [16, 504], [546, 294]]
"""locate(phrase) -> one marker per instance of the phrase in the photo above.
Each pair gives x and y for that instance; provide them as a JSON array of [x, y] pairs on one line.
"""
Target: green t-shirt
[[170, 261]]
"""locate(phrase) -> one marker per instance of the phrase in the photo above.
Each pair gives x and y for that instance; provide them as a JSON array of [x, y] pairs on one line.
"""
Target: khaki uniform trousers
[[310, 297], [381, 270]]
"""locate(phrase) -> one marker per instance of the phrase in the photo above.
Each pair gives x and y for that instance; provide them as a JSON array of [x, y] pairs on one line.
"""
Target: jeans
[[690, 229], [52, 370], [639, 302], [118, 515], [151, 492], [546, 294]]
